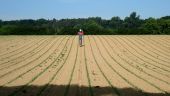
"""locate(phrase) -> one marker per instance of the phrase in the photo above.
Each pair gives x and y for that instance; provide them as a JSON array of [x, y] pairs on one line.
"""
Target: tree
[[115, 22], [91, 27], [133, 21], [164, 25], [0, 23], [167, 27], [165, 17], [152, 26], [98, 20]]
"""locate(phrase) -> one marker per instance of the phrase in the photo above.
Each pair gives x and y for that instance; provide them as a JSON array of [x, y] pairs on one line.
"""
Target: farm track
[[26, 64], [122, 63], [103, 66], [23, 56], [50, 69], [114, 89], [125, 80], [162, 53], [49, 62], [18, 49], [38, 62], [139, 65], [21, 51], [88, 73], [163, 48], [7, 45], [61, 65], [158, 76], [145, 58], [149, 54], [166, 41], [156, 53], [144, 62], [163, 45], [141, 71], [72, 72]]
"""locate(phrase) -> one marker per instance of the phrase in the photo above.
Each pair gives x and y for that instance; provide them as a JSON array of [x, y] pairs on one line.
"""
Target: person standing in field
[[81, 34]]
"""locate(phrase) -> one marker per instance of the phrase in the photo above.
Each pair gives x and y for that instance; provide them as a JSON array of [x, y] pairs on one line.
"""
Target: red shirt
[[81, 33]]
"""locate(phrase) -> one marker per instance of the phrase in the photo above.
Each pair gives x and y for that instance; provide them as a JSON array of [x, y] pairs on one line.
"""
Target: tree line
[[132, 24]]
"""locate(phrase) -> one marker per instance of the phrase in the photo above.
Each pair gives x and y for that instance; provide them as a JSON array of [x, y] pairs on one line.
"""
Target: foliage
[[91, 26]]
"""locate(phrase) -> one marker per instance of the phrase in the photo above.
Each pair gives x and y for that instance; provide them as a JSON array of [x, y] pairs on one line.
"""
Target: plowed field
[[103, 66]]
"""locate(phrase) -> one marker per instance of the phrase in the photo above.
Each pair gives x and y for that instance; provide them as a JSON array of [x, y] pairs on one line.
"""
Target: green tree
[[167, 27], [163, 25], [151, 26], [133, 21], [91, 27], [0, 23], [115, 22]]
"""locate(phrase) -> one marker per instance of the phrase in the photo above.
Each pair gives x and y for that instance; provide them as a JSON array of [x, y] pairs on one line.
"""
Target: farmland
[[107, 65]]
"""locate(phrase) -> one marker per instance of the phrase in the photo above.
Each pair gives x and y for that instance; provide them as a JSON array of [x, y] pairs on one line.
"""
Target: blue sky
[[48, 9]]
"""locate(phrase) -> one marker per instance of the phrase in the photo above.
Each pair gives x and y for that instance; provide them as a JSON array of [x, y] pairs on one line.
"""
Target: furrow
[[30, 62], [35, 77]]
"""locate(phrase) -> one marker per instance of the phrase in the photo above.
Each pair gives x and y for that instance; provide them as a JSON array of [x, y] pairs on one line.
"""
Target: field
[[105, 66]]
